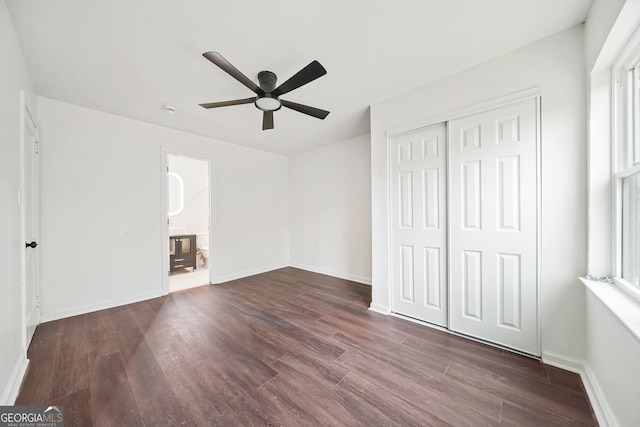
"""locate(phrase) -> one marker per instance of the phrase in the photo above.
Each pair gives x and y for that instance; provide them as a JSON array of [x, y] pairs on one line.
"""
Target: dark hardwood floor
[[286, 348]]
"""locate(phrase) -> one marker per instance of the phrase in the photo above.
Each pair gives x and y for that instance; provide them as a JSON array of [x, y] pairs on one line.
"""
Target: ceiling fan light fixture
[[267, 103]]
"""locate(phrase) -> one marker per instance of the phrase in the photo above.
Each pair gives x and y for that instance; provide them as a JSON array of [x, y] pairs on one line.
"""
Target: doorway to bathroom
[[188, 221]]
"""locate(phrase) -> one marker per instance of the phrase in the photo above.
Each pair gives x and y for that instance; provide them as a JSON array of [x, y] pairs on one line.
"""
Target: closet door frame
[[446, 117]]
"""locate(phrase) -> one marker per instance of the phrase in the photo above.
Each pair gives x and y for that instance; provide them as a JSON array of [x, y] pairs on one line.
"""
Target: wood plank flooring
[[285, 348]]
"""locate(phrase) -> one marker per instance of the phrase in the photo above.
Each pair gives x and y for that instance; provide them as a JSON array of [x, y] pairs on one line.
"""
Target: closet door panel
[[493, 238], [418, 224]]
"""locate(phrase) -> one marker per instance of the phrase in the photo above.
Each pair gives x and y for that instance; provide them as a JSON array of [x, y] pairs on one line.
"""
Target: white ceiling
[[130, 57]]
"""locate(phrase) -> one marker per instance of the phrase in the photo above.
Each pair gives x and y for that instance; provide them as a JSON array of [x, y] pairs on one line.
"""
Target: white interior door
[[493, 170], [418, 215], [30, 204]]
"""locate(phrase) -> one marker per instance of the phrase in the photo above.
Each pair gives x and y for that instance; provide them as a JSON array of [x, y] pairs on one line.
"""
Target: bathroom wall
[[195, 176]]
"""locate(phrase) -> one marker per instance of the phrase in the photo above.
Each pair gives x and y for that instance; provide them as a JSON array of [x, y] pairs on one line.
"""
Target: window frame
[[625, 127]]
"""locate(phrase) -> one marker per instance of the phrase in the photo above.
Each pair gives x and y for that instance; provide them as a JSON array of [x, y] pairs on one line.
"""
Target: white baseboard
[[379, 308], [11, 390], [563, 362], [247, 273], [598, 400], [46, 317], [49, 316], [351, 277]]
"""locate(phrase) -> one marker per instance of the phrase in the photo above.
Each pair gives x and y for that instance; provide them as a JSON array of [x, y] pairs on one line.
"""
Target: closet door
[[493, 170], [418, 229]]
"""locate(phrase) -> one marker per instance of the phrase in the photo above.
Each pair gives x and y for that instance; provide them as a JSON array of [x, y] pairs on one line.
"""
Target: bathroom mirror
[[176, 194]]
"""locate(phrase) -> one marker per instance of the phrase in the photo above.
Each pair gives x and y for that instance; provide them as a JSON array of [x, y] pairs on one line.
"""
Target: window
[[630, 230], [627, 167]]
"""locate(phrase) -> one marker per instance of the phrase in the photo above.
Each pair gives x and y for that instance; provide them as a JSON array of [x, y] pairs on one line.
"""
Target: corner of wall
[[597, 398], [14, 78], [11, 390], [379, 308]]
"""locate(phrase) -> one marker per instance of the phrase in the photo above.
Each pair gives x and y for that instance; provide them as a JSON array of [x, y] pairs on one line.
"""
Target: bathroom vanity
[[182, 252]]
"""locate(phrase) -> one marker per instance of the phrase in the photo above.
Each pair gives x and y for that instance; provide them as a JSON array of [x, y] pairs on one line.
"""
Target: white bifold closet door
[[493, 176], [418, 229]]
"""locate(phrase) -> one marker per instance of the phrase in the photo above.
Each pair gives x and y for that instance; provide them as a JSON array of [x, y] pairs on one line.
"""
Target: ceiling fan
[[268, 95]]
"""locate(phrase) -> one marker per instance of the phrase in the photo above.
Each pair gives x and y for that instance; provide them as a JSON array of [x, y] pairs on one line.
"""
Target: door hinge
[[38, 301], [36, 147]]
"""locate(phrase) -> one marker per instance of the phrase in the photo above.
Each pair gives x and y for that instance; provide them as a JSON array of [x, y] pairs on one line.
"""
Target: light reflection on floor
[[185, 279]]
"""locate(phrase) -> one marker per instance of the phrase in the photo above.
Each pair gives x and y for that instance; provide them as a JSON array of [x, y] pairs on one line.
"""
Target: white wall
[[613, 353], [556, 65], [195, 177], [101, 208], [330, 209], [14, 76]]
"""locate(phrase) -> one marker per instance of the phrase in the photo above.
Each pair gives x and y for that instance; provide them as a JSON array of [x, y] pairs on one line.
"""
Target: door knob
[[32, 245]]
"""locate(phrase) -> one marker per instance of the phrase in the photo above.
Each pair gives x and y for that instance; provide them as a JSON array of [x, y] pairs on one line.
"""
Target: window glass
[[631, 229], [627, 173], [633, 150]]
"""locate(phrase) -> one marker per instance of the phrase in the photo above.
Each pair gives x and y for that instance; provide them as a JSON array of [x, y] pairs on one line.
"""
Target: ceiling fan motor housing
[[267, 81]]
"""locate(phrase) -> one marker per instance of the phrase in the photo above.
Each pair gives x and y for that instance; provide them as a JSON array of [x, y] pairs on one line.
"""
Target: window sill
[[622, 305]]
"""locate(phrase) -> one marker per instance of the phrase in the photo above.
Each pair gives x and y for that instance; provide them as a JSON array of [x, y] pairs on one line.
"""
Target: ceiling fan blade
[[228, 103], [301, 78], [305, 109], [221, 62], [267, 120]]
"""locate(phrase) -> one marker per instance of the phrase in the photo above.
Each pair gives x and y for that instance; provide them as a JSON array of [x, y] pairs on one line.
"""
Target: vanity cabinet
[[182, 252]]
